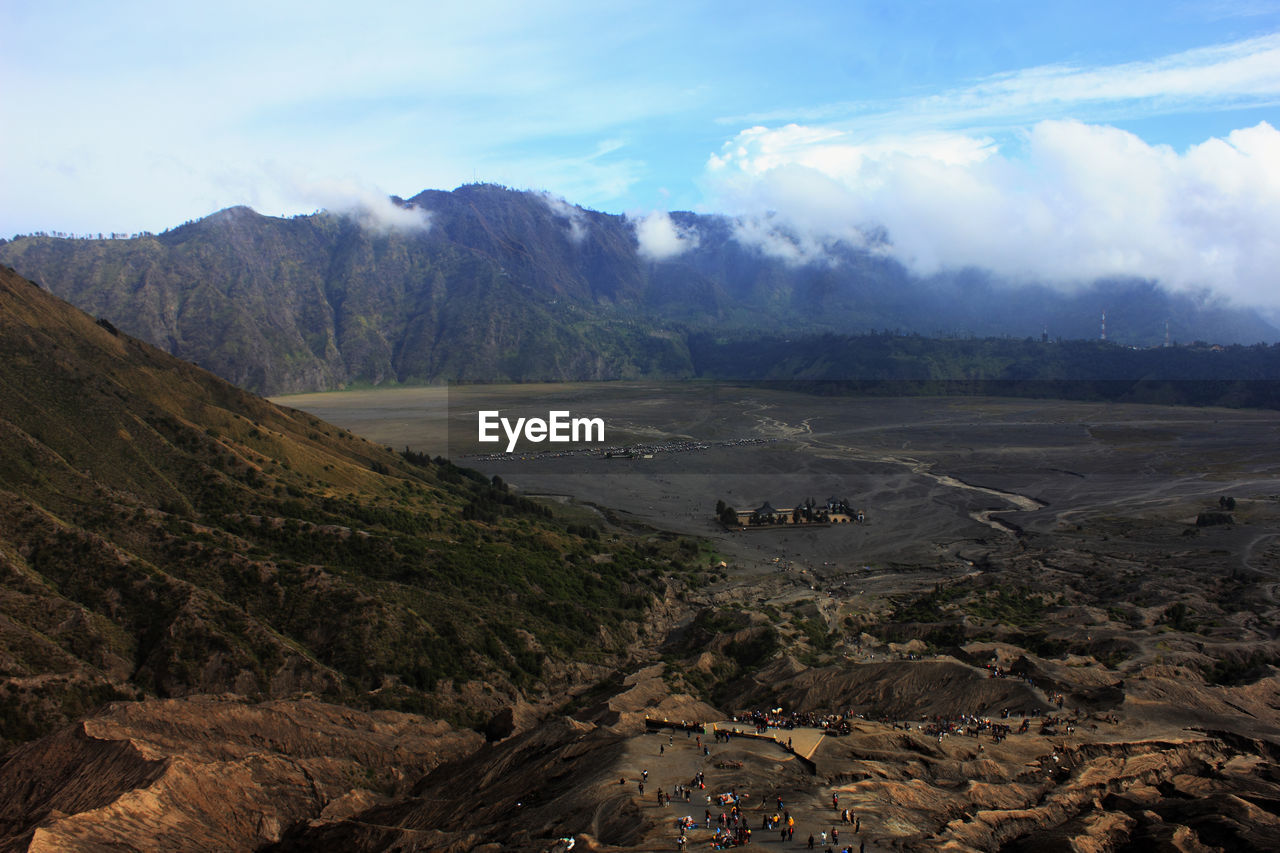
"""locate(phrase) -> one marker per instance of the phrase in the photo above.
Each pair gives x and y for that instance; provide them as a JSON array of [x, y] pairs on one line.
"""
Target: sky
[[1056, 142]]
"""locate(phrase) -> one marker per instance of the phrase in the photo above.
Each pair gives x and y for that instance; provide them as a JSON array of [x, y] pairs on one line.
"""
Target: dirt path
[[1247, 557], [803, 435], [804, 742]]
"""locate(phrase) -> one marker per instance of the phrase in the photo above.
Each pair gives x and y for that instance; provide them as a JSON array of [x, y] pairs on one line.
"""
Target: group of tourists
[[971, 725], [726, 813], [729, 824], [776, 718], [679, 792]]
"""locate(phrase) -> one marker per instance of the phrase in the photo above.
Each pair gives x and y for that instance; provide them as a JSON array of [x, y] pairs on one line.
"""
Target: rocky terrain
[[1138, 640], [231, 625], [211, 773], [165, 537]]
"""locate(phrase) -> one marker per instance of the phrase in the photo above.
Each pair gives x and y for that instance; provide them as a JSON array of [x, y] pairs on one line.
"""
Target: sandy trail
[[803, 435]]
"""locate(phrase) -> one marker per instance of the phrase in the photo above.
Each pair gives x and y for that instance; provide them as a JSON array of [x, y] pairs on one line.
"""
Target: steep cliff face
[[320, 301]]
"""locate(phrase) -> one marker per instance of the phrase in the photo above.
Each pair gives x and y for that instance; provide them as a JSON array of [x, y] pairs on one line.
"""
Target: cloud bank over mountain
[[1055, 143], [367, 205], [574, 217], [660, 238], [1077, 202]]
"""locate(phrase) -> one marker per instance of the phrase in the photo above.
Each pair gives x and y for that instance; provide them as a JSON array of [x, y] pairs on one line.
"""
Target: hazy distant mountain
[[514, 285]]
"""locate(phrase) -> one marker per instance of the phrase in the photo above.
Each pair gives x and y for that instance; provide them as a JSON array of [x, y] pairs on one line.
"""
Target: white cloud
[[1224, 76], [1220, 75], [574, 217], [367, 205], [660, 238], [1081, 201], [386, 215]]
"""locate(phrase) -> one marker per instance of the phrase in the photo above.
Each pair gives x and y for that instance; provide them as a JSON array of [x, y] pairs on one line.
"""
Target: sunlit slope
[[164, 532]]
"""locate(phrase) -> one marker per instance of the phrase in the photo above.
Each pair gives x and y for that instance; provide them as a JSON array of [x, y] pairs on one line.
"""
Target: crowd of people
[[777, 718], [725, 815]]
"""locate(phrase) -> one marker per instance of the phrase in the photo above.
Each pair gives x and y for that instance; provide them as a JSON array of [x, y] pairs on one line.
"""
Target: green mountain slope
[[165, 533], [320, 301], [507, 285]]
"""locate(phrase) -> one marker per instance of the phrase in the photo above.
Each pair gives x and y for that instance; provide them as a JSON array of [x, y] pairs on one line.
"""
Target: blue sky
[[1056, 141]]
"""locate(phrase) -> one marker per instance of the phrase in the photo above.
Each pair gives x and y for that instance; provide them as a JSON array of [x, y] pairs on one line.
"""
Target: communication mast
[[1104, 325]]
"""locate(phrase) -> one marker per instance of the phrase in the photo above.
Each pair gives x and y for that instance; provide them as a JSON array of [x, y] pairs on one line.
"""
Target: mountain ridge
[[501, 285]]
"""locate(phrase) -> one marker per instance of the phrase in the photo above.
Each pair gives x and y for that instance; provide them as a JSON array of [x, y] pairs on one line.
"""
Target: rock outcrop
[[208, 773]]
